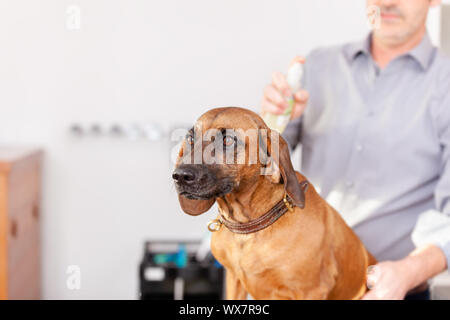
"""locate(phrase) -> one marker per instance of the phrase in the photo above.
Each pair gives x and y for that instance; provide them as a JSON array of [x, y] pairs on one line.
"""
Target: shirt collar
[[356, 48], [422, 53]]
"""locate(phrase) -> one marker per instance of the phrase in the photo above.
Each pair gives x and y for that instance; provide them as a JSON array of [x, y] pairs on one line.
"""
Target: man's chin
[[391, 34]]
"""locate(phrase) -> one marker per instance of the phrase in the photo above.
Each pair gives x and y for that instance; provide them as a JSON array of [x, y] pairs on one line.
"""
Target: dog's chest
[[258, 264], [268, 266], [239, 252]]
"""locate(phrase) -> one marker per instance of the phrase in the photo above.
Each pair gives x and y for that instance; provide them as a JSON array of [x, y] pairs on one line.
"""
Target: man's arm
[[292, 133], [433, 226], [424, 263], [393, 279]]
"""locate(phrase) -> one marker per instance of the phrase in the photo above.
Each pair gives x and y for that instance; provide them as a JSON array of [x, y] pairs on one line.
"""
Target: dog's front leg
[[234, 288]]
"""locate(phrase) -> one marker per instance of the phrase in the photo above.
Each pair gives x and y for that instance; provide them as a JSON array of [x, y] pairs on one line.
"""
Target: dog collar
[[267, 219]]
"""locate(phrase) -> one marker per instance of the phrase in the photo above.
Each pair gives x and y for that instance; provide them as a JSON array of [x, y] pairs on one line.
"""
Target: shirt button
[[370, 113], [349, 184], [359, 147]]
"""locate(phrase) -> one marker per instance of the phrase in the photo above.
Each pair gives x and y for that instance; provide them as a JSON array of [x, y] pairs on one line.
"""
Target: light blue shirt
[[376, 144]]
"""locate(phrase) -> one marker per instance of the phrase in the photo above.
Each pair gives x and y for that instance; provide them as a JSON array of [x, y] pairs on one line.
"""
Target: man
[[374, 124]]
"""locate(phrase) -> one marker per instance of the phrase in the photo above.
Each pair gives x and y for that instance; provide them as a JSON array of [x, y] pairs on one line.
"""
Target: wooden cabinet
[[20, 188]]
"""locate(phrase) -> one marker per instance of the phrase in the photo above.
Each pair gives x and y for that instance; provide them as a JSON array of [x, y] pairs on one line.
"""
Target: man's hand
[[393, 279], [276, 94], [388, 280]]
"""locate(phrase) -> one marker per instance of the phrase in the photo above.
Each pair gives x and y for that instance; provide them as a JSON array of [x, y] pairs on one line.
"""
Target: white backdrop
[[136, 61]]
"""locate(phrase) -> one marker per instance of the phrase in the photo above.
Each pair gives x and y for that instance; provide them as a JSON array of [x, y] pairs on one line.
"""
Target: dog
[[275, 235]]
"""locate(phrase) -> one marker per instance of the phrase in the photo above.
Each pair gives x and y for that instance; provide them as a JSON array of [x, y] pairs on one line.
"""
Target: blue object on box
[[179, 258]]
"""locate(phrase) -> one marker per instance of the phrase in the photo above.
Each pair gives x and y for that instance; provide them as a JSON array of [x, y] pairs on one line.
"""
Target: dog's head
[[228, 150]]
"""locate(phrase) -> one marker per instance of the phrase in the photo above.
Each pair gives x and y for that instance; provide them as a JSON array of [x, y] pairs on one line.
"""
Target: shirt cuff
[[433, 227], [446, 249]]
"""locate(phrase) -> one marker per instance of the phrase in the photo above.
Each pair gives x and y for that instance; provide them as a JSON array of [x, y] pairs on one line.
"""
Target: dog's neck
[[251, 201]]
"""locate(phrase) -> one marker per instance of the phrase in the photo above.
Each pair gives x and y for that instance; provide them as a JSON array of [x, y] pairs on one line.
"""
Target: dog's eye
[[228, 141], [190, 140]]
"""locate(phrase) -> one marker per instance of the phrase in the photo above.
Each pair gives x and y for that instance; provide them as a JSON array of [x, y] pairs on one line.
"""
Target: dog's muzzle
[[190, 175], [200, 182]]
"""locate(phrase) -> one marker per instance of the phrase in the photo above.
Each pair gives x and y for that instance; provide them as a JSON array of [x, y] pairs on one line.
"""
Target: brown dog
[[276, 237]]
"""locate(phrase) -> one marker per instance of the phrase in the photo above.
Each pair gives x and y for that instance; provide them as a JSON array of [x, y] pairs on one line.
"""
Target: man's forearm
[[424, 263]]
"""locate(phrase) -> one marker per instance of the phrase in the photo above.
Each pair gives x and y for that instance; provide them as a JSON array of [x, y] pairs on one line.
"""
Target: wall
[[445, 28], [135, 62]]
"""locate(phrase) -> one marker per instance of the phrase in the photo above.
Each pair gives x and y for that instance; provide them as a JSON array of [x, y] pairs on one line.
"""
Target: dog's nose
[[184, 175]]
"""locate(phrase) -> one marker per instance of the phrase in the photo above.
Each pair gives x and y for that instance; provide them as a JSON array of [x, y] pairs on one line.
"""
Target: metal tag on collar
[[287, 203], [214, 225]]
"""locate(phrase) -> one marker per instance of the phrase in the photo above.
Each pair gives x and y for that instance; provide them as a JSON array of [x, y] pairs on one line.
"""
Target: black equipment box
[[169, 270]]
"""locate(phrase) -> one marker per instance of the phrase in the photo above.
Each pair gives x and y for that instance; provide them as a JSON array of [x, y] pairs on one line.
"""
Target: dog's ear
[[191, 206], [269, 169], [282, 165], [195, 207]]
